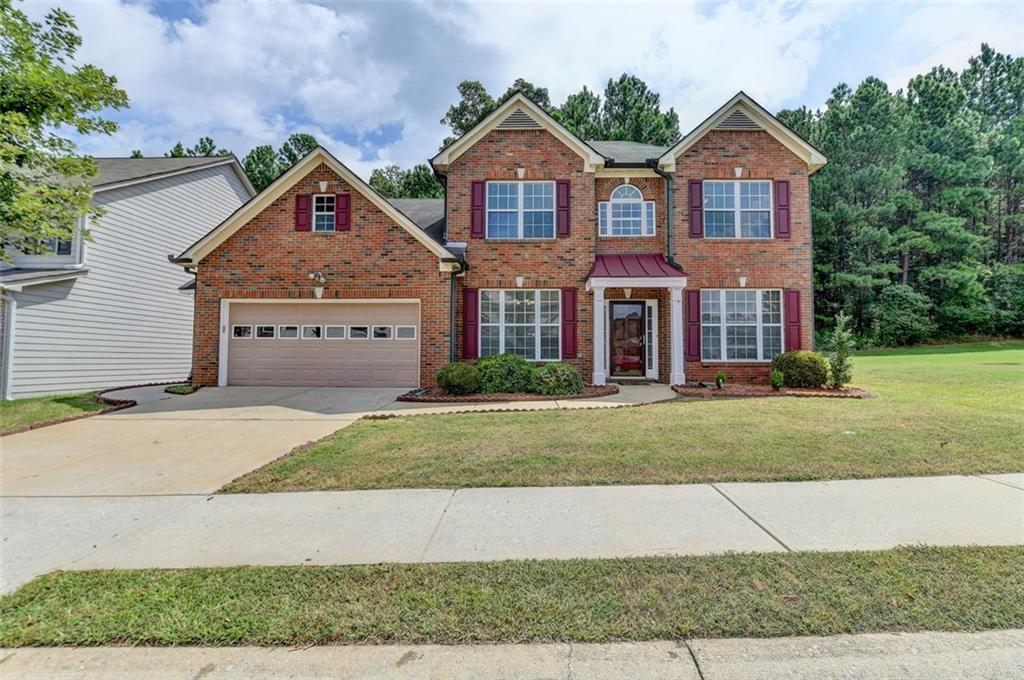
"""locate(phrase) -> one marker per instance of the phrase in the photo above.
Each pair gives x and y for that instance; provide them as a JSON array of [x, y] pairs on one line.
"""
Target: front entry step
[[631, 381]]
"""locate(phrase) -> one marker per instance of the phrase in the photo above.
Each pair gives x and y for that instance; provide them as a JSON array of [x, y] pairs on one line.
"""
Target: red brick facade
[[267, 258]]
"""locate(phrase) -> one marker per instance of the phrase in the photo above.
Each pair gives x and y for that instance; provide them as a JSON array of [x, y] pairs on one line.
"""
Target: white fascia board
[[636, 282], [591, 158], [204, 246]]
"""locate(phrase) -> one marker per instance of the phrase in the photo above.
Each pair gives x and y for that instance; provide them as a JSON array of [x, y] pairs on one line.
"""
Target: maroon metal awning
[[633, 265]]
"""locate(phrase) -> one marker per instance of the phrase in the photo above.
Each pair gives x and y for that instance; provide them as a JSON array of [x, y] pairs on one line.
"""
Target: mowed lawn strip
[[937, 411], [18, 413], [759, 595]]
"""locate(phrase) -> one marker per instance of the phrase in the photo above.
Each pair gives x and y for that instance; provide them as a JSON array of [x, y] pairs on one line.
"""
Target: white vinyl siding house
[[124, 319]]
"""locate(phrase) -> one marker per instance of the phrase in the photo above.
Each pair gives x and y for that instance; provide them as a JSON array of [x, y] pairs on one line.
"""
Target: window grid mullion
[[760, 319], [722, 319]]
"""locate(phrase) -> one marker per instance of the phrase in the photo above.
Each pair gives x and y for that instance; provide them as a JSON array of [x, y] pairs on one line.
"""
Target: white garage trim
[[225, 327]]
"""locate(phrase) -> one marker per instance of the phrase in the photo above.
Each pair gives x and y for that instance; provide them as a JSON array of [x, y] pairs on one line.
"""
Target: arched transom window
[[626, 213]]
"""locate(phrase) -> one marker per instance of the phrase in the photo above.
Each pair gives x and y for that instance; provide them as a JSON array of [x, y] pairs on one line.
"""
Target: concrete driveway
[[178, 444]]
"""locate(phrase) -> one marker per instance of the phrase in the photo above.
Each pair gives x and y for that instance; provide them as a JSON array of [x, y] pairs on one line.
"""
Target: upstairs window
[[323, 212], [626, 214], [520, 210], [737, 209]]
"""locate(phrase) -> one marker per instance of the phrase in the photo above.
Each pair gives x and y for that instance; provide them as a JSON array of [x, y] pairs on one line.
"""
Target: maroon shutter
[[792, 312], [696, 204], [303, 208], [782, 208], [476, 227], [470, 304], [693, 325], [562, 202], [342, 212], [568, 323]]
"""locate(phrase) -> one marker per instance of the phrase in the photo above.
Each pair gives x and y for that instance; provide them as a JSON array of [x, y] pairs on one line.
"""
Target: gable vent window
[[323, 212], [626, 214], [519, 120], [737, 120]]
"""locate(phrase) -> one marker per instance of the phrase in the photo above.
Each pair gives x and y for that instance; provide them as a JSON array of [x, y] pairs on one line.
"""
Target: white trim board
[[194, 254]]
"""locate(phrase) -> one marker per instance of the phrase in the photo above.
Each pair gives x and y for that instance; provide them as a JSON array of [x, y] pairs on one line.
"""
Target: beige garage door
[[371, 344]]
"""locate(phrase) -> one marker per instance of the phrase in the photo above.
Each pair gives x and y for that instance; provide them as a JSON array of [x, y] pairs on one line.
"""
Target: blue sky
[[372, 80]]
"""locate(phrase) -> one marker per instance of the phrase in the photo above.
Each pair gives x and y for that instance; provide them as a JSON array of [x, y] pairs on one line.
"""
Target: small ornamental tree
[[842, 348]]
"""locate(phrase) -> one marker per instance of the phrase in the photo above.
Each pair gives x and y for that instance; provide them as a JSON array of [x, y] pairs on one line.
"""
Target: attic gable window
[[323, 212], [626, 214]]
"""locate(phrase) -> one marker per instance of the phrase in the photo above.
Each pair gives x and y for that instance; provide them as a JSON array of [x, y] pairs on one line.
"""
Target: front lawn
[[19, 413], [746, 595], [938, 410]]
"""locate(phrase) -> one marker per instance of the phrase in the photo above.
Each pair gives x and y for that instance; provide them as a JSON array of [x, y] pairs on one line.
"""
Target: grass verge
[[937, 411], [754, 594], [20, 413], [184, 388]]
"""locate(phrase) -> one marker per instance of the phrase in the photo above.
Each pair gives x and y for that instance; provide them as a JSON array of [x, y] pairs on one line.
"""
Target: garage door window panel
[[287, 332], [358, 332], [241, 332], [312, 332], [382, 332], [266, 332], [334, 332], [405, 332]]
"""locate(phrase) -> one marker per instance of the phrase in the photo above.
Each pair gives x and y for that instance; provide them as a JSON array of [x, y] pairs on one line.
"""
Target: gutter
[[669, 210]]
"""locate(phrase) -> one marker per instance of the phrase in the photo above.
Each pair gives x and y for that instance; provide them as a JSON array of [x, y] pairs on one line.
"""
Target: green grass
[[18, 413], [759, 595], [180, 389], [937, 410]]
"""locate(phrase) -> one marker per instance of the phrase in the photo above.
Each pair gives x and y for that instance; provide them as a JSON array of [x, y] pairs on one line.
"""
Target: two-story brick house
[[627, 260]]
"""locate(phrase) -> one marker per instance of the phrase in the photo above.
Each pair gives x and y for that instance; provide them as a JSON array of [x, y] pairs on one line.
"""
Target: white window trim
[[344, 332], [369, 333], [412, 328], [760, 326], [332, 213], [252, 331], [737, 211], [73, 260], [520, 211], [606, 229], [391, 331], [297, 327], [537, 325], [256, 328]]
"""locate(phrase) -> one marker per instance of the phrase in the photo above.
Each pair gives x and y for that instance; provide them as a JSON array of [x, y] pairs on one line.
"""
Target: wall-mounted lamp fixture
[[318, 280]]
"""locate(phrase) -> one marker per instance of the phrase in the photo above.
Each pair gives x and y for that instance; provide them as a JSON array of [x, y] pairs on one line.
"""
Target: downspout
[[10, 308], [670, 254], [451, 320]]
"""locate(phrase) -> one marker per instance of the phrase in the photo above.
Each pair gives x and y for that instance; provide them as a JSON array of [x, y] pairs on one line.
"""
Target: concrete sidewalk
[[922, 656], [437, 525]]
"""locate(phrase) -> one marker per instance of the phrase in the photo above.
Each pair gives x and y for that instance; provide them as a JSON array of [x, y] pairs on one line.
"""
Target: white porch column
[[678, 371], [599, 339]]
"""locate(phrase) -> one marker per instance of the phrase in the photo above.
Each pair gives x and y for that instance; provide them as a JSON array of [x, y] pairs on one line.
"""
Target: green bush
[[505, 373], [903, 316], [839, 362], [459, 378], [777, 379], [801, 368], [557, 379]]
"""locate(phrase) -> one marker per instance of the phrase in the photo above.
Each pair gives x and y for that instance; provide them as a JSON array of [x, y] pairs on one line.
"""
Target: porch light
[[318, 280]]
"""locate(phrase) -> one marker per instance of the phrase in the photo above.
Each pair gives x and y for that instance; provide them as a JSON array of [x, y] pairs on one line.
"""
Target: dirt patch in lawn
[[738, 391], [434, 395]]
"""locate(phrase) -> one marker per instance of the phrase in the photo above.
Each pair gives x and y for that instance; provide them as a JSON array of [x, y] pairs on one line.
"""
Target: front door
[[627, 339]]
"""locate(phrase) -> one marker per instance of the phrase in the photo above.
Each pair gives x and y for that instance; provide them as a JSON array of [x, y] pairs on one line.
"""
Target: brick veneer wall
[[268, 259]]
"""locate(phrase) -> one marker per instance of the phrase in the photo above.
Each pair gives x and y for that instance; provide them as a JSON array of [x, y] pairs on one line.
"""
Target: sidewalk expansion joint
[[693, 657], [996, 481], [437, 526], [751, 518]]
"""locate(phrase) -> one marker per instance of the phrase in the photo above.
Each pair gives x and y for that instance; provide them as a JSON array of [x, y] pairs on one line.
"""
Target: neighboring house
[[627, 260], [111, 309]]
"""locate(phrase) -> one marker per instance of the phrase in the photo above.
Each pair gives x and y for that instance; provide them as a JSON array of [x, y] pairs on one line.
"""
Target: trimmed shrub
[[839, 362], [777, 379], [557, 379], [505, 373], [459, 378], [801, 368]]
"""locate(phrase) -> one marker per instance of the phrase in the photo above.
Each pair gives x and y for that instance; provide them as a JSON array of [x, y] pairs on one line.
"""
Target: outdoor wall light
[[318, 280]]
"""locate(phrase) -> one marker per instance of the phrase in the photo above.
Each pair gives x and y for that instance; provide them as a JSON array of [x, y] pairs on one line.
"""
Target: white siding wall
[[125, 322]]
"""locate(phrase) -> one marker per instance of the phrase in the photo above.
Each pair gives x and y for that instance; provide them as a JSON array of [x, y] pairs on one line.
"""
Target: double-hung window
[[523, 322], [740, 325], [626, 214], [323, 212], [737, 209], [520, 210]]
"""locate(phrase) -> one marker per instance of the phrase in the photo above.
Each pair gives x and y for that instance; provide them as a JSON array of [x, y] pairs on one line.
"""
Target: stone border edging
[[112, 405], [753, 392], [590, 392]]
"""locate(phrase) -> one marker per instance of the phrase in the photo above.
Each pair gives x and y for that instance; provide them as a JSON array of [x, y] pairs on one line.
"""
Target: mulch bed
[[739, 391], [433, 395]]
